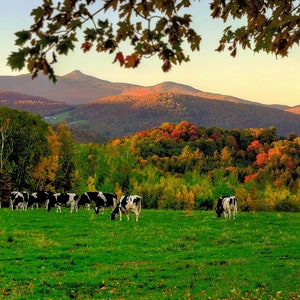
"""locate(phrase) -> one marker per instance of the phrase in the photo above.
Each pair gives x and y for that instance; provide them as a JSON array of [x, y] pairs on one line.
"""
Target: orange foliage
[[250, 177], [261, 159], [255, 146]]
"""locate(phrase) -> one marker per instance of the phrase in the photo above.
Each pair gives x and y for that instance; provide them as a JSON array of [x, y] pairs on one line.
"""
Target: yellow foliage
[[91, 184], [118, 190]]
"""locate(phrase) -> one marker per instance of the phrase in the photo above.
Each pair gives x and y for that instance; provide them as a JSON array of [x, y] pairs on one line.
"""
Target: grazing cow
[[105, 200], [227, 205], [39, 198], [128, 204], [19, 200], [100, 199], [63, 199]]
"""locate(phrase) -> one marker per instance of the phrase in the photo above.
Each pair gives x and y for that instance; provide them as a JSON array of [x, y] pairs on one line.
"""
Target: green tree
[[23, 142], [65, 176], [151, 28]]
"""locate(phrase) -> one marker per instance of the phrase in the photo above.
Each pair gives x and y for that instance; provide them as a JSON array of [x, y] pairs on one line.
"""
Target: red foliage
[[250, 177]]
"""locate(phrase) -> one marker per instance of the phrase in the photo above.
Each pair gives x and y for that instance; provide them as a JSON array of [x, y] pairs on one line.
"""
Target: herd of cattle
[[127, 204], [226, 205]]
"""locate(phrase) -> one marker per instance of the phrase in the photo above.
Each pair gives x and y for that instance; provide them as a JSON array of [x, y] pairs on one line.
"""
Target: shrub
[[289, 204]]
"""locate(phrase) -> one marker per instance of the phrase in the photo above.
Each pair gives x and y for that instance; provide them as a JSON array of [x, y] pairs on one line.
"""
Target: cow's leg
[[136, 216], [234, 214], [127, 216], [120, 212]]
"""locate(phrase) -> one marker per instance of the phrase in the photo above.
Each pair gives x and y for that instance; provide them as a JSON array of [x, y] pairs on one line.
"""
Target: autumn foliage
[[173, 166]]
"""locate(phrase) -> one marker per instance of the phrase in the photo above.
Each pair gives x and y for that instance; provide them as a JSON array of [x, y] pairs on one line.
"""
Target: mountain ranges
[[108, 110]]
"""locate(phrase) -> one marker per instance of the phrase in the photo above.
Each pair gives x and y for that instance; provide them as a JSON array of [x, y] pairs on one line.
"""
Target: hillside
[[294, 110], [33, 104], [124, 114]]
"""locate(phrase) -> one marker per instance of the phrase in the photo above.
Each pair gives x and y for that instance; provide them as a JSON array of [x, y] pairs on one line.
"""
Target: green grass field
[[166, 255]]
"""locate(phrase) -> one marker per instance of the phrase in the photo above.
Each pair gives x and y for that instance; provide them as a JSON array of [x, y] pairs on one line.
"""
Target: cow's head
[[114, 213], [219, 208], [219, 211]]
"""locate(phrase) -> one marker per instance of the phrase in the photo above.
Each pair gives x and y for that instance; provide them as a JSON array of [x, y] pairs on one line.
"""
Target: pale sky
[[256, 77]]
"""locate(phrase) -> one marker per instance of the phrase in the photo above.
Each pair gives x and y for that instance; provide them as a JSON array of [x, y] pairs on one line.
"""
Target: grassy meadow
[[166, 255]]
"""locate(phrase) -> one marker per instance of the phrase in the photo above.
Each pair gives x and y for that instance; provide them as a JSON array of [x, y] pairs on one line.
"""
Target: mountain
[[121, 115], [111, 110], [78, 88], [73, 88]]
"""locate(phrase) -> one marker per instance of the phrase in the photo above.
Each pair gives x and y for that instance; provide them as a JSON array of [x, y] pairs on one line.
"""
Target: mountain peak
[[74, 73]]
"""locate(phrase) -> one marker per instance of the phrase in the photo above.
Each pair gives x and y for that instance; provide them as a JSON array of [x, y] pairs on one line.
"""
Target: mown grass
[[166, 255]]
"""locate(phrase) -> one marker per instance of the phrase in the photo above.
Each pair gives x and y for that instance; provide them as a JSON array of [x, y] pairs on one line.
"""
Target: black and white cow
[[100, 199], [63, 199], [128, 204], [38, 199], [19, 200], [228, 206]]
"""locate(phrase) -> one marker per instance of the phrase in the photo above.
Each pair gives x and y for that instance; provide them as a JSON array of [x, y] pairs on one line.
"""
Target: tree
[[151, 27], [65, 175], [23, 142], [44, 174], [3, 136]]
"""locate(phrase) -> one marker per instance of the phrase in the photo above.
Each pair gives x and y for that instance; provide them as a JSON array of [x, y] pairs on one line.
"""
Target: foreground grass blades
[[166, 255]]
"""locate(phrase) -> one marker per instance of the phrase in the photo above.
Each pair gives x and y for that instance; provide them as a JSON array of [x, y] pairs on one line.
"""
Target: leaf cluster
[[150, 27], [270, 26]]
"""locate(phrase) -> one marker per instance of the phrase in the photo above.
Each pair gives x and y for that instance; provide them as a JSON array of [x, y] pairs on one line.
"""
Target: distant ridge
[[33, 104], [78, 88]]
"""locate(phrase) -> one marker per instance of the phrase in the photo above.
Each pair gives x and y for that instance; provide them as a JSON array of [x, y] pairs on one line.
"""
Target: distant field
[[60, 117], [166, 255]]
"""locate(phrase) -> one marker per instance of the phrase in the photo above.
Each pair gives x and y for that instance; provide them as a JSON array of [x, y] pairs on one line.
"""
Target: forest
[[173, 166]]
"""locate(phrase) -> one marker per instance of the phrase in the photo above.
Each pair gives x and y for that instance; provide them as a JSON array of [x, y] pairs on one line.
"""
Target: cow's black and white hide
[[105, 200], [100, 199], [19, 200], [60, 200], [128, 204], [227, 205], [38, 199], [85, 200]]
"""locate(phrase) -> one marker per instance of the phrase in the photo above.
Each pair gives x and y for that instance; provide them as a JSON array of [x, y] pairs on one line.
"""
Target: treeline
[[174, 166]]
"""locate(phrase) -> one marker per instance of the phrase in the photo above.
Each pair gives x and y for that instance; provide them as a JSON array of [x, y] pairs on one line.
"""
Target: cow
[[39, 198], [227, 205], [100, 199], [19, 200], [105, 200], [128, 204], [63, 199]]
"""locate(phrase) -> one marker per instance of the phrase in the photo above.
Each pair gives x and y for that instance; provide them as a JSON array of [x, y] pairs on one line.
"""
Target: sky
[[257, 77]]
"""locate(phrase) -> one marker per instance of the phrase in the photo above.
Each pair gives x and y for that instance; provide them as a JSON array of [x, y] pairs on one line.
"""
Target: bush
[[290, 204], [204, 204]]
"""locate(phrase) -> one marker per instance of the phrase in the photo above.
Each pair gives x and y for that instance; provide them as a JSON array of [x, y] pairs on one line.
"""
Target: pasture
[[166, 255]]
